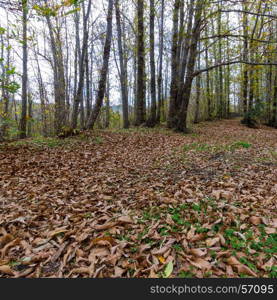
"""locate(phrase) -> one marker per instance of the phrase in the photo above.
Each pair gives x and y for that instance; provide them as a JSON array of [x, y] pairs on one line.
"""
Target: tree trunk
[[245, 67], [23, 120], [171, 119], [78, 99], [198, 94], [30, 115], [160, 76], [182, 114], [104, 70], [123, 70], [151, 122], [107, 118], [140, 110]]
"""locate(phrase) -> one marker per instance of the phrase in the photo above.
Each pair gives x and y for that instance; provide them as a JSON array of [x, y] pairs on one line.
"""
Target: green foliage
[[2, 30], [244, 261], [257, 112], [168, 270], [240, 144], [41, 142], [197, 147], [45, 11], [186, 274], [202, 147], [273, 273]]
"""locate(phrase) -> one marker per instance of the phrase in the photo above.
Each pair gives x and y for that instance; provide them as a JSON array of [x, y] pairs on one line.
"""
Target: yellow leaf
[[161, 259]]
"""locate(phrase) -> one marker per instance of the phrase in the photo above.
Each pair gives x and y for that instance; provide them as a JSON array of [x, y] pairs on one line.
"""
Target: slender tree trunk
[[245, 67], [140, 110], [274, 108], [171, 119], [78, 99], [184, 62], [23, 120], [160, 76], [5, 99], [208, 90], [88, 102], [107, 118], [123, 69], [198, 94], [30, 115], [182, 114], [220, 112], [151, 122], [104, 71]]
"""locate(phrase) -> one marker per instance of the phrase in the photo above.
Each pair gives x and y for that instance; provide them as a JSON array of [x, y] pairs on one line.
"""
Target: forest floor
[[141, 203]]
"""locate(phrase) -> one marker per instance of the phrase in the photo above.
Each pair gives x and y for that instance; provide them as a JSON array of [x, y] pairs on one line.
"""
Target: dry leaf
[[201, 263], [212, 242], [269, 264], [198, 252], [255, 220], [105, 226], [6, 270]]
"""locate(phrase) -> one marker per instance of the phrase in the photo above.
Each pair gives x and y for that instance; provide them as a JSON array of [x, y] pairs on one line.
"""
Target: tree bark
[[151, 122], [171, 119], [104, 70], [79, 94], [123, 70], [182, 114], [160, 76], [140, 110], [23, 120]]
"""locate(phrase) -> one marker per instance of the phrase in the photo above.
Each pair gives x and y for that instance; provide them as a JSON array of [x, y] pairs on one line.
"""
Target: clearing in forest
[[141, 203]]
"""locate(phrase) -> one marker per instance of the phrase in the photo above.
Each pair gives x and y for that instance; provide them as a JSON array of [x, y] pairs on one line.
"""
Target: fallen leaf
[[198, 252], [255, 220], [168, 270], [269, 264], [125, 220], [212, 242], [5, 269], [201, 263], [161, 259], [105, 226]]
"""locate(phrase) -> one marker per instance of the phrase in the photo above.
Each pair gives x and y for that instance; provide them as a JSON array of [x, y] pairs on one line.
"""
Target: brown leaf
[[255, 220], [125, 220], [270, 230], [216, 194], [6, 270], [105, 226], [118, 272], [52, 233], [99, 252], [191, 233], [163, 249], [212, 242], [232, 261], [268, 265], [245, 270], [201, 263], [8, 246], [198, 252], [227, 195], [5, 239], [222, 239], [82, 270]]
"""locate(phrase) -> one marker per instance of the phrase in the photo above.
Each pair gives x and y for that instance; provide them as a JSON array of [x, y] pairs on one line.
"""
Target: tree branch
[[197, 72]]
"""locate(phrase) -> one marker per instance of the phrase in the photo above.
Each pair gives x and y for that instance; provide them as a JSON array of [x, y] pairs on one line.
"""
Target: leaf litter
[[144, 203]]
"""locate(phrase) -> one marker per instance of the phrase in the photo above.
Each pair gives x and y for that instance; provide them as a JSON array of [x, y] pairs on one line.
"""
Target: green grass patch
[[240, 144]]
